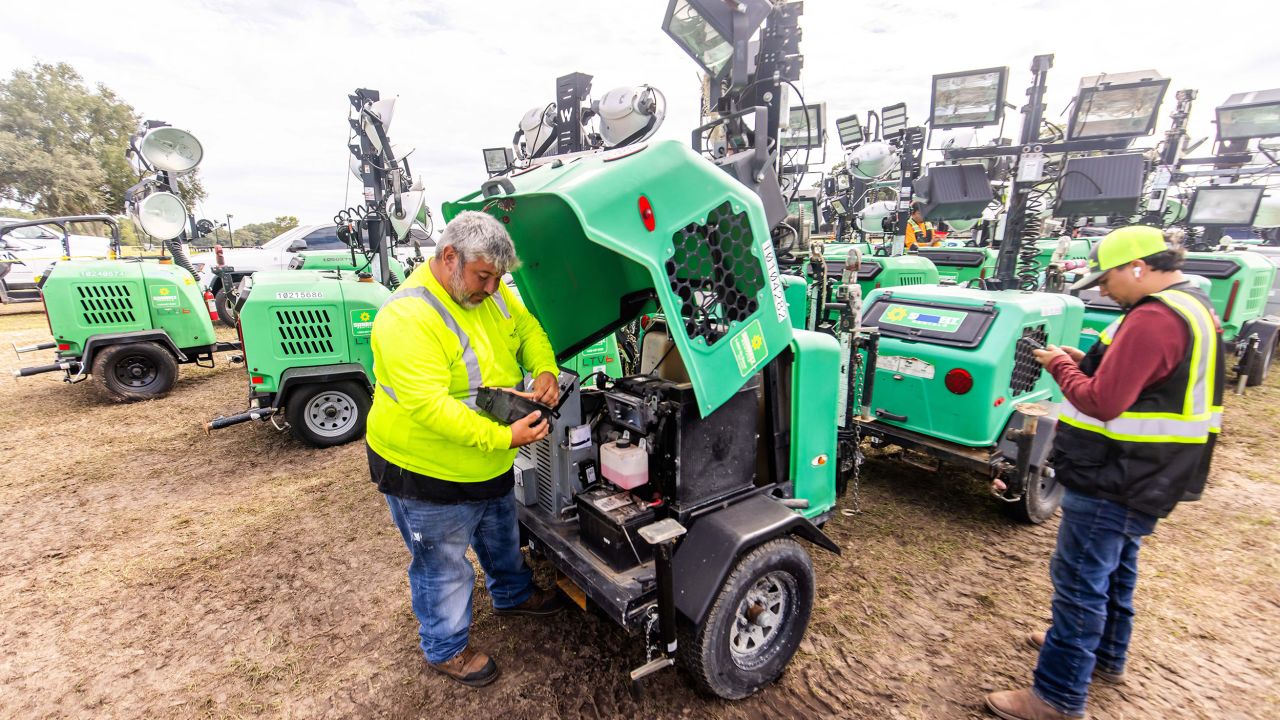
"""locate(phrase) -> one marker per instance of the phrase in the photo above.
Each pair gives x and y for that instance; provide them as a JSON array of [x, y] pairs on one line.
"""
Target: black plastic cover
[[1102, 185], [1211, 268], [954, 192], [946, 257], [972, 329]]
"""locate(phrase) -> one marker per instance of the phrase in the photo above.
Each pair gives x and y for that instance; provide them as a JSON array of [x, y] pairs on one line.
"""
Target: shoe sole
[[1106, 677], [481, 682], [529, 613]]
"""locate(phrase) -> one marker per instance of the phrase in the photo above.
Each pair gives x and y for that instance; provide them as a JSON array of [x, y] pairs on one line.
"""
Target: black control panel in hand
[[507, 407]]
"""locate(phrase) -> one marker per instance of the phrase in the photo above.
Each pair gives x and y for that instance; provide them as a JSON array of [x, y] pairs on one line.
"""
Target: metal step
[[24, 292]]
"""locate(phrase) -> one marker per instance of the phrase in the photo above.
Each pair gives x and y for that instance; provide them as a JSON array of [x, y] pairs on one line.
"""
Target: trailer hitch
[[1016, 484]]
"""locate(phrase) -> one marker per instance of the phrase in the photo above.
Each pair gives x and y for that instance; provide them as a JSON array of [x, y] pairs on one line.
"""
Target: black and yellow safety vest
[[1156, 453]]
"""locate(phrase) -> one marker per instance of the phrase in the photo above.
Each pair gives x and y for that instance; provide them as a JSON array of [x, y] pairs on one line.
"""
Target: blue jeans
[[441, 579], [1094, 571]]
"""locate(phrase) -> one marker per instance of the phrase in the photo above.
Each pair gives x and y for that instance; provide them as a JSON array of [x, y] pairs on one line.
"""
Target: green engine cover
[[1239, 283], [962, 265], [950, 363], [606, 236], [340, 260], [306, 318], [895, 271], [84, 298]]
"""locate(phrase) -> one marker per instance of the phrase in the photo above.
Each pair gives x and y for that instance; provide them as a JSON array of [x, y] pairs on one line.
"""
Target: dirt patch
[[149, 571]]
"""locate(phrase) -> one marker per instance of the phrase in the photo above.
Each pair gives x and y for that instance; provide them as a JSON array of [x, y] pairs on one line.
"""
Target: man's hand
[[529, 429], [1075, 354], [546, 389], [1046, 356]]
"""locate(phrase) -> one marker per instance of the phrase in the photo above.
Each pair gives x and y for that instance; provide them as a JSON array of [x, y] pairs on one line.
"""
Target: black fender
[[295, 377], [1266, 328], [97, 342], [714, 542]]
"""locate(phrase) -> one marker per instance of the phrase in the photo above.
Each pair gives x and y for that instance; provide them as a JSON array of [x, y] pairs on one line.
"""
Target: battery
[[609, 520]]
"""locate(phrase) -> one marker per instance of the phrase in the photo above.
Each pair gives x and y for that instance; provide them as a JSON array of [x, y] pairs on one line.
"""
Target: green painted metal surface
[[1249, 281], [307, 318], [85, 298], [815, 366], [590, 264], [930, 331], [895, 271]]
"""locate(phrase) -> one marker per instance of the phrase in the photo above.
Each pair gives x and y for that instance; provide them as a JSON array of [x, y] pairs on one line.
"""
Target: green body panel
[[85, 298], [307, 318], [590, 263], [339, 260], [815, 366], [953, 263], [910, 375], [600, 357], [895, 271], [1251, 284], [796, 290]]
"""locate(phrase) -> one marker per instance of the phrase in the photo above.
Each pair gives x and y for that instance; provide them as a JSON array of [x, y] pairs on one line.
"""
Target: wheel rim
[[330, 414], [758, 624], [1045, 484], [136, 371]]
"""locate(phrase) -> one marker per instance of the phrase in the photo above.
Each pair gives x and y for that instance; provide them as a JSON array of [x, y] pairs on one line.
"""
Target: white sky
[[264, 83]]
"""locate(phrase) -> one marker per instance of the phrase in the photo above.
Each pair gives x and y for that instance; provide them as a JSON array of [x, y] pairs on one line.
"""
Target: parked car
[[276, 254], [26, 252]]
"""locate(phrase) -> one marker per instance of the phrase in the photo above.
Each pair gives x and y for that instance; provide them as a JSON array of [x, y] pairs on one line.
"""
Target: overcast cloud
[[264, 83]]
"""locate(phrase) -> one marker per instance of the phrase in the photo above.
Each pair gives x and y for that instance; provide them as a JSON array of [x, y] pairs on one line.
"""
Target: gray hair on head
[[479, 236]]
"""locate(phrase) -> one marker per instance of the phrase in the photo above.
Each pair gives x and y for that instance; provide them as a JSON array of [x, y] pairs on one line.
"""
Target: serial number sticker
[[1051, 310], [915, 367], [300, 295]]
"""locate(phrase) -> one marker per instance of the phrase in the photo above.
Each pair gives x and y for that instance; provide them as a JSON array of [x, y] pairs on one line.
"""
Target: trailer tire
[[130, 372], [733, 652], [1040, 500], [328, 414], [226, 308]]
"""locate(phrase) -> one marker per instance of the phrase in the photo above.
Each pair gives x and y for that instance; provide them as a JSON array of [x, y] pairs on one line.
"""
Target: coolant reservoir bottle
[[624, 464]]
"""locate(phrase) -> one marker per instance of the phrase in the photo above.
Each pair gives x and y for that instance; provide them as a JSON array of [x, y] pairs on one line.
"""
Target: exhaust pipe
[[221, 422], [67, 365], [33, 348]]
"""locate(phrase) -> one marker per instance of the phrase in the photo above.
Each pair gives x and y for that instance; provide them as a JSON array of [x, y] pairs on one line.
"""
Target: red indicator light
[[256, 379], [1231, 301], [64, 346], [999, 401], [646, 214], [959, 381]]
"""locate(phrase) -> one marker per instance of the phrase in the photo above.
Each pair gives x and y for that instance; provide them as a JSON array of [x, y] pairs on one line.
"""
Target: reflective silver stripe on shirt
[[502, 304], [469, 359], [390, 393]]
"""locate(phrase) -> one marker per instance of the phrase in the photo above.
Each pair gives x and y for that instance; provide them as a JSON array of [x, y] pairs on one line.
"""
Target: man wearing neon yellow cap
[[1139, 420]]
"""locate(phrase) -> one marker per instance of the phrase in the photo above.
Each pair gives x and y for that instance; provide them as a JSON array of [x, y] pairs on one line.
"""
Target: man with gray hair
[[444, 468]]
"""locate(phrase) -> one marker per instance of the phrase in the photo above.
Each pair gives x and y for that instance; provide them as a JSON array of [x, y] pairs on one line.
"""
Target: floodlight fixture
[[716, 33], [161, 215], [872, 218], [1224, 205], [1100, 185], [1245, 116], [809, 206], [1117, 106], [973, 98], [893, 119], [872, 160], [954, 192], [806, 127], [630, 114], [839, 206], [498, 160], [169, 149], [843, 181], [851, 132]]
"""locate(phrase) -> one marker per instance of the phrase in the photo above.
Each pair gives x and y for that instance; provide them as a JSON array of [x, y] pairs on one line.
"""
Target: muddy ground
[[149, 571]]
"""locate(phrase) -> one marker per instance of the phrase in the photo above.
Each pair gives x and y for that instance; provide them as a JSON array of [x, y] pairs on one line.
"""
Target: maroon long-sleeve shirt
[[1151, 342]]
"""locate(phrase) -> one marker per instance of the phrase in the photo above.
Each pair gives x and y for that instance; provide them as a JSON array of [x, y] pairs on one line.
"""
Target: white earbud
[[1137, 272]]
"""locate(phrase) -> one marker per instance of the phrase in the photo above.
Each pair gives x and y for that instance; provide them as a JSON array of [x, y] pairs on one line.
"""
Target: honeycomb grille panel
[[715, 273], [304, 332], [106, 304], [1026, 371]]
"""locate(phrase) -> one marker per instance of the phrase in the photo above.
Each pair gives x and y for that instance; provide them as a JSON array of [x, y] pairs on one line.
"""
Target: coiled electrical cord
[[1028, 271]]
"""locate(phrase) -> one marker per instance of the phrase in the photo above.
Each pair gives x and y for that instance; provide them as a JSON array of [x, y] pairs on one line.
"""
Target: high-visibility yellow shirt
[[429, 356], [917, 232]]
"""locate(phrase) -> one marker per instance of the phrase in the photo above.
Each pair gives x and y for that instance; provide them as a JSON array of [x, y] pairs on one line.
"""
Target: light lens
[[959, 381], [169, 149], [162, 215]]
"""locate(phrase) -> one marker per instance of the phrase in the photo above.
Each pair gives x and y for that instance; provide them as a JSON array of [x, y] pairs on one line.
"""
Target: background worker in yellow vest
[[919, 230], [444, 468], [1137, 429]]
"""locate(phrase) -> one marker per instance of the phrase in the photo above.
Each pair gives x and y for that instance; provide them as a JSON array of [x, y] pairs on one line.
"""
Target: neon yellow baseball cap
[[1119, 247]]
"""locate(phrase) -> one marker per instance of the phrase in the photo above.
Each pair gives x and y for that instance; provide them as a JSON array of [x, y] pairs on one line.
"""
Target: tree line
[[62, 152]]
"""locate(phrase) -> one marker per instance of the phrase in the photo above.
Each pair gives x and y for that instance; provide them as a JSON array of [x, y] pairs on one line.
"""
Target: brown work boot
[[540, 604], [1036, 640], [1023, 705], [469, 667]]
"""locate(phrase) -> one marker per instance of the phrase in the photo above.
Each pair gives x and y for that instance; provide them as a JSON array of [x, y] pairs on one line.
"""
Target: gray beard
[[458, 290]]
